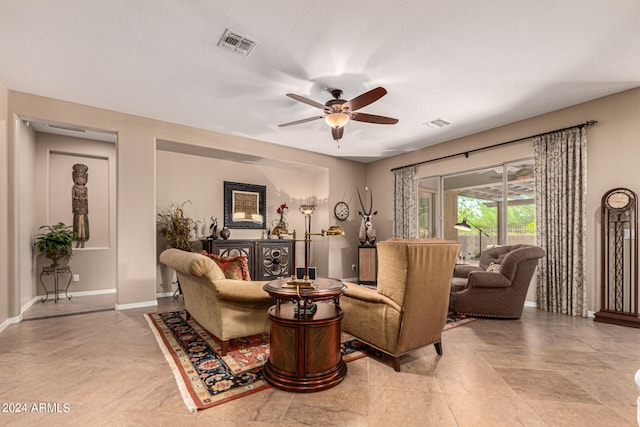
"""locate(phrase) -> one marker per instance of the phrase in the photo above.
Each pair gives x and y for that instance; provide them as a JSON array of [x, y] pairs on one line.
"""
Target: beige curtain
[[405, 212], [561, 186]]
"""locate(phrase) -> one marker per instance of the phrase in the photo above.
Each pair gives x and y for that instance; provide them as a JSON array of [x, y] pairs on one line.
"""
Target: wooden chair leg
[[188, 315], [395, 362], [438, 346], [225, 347]]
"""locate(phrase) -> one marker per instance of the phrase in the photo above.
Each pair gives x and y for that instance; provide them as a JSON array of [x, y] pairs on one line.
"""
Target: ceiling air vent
[[437, 123], [237, 43]]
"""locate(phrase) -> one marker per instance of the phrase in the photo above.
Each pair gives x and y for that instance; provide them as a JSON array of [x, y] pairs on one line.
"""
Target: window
[[521, 208], [498, 204]]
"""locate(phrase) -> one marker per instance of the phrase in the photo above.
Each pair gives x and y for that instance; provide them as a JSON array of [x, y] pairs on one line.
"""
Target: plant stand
[[55, 271], [178, 291]]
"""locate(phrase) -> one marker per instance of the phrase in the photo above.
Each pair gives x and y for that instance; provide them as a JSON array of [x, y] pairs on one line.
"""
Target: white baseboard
[[143, 304], [29, 303], [35, 299], [96, 292], [164, 294], [535, 305], [10, 321], [100, 292], [81, 293]]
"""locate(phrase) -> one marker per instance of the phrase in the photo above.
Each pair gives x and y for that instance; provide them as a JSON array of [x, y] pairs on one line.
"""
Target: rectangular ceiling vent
[[237, 43], [438, 123]]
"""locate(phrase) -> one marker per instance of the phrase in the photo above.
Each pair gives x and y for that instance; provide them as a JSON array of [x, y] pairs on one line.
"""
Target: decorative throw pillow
[[493, 267], [236, 267]]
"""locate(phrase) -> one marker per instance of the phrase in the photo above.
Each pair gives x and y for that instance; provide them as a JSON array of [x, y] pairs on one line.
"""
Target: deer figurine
[[367, 234]]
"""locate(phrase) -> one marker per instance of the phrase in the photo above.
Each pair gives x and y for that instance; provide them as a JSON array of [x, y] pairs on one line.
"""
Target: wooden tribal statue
[[80, 203]]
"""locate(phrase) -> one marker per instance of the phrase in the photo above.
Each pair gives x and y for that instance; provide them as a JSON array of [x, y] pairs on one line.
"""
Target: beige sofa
[[226, 308], [408, 309]]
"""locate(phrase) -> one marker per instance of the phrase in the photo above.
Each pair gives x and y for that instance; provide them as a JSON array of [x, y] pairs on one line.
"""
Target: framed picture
[[245, 205]]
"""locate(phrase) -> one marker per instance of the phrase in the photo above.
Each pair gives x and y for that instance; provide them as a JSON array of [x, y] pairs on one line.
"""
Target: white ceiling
[[475, 63]]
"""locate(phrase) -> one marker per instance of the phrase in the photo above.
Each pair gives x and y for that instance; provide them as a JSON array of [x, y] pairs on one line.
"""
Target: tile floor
[[75, 305], [543, 370]]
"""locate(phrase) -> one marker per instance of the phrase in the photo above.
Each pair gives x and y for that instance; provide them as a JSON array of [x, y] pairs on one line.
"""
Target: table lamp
[[334, 230]]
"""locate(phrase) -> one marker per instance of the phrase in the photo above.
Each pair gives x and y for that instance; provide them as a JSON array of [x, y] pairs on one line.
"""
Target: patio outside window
[[500, 204]]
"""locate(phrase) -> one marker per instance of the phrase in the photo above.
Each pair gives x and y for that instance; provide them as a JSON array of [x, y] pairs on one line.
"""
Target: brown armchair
[[408, 309], [501, 293]]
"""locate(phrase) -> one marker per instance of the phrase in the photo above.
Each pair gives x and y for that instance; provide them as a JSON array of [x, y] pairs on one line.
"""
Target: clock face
[[618, 200], [341, 211]]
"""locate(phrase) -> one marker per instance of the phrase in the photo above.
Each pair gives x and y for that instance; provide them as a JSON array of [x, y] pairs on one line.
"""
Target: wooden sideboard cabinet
[[367, 265], [268, 259]]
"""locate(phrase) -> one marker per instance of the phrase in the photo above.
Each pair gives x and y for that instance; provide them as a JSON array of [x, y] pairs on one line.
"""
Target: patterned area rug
[[206, 379]]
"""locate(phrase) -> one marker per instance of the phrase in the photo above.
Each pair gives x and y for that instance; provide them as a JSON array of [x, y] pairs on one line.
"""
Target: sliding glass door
[[470, 201], [521, 209], [427, 207], [481, 208]]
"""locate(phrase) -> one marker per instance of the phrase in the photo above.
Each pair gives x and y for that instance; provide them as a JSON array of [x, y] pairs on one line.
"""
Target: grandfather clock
[[619, 295]]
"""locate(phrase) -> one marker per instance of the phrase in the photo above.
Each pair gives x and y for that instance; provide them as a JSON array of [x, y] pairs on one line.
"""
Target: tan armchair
[[226, 308], [501, 293], [409, 308]]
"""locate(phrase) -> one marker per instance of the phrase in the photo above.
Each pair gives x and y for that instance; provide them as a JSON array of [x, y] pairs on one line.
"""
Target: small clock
[[618, 200], [341, 211]]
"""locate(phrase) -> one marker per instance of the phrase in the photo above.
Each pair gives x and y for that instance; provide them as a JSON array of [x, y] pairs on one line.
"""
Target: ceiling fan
[[338, 112]]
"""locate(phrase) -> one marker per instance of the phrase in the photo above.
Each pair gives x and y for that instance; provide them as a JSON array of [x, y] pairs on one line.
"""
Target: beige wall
[[612, 163], [27, 186], [286, 183], [135, 241], [613, 152], [5, 295], [54, 157], [324, 183]]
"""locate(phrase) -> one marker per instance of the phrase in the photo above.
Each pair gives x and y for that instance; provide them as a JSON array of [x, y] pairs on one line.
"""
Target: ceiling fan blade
[[337, 133], [297, 122], [366, 98], [372, 118], [306, 100]]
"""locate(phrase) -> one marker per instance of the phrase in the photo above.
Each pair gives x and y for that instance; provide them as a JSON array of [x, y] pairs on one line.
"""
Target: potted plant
[[56, 242], [175, 227]]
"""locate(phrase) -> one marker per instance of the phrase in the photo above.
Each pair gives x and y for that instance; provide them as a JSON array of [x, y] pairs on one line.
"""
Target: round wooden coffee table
[[305, 336]]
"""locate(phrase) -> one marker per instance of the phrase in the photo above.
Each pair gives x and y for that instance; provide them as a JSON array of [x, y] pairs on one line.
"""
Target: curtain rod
[[466, 153]]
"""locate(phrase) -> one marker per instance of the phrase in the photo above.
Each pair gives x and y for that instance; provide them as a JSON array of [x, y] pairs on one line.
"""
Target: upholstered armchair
[[408, 309], [498, 286]]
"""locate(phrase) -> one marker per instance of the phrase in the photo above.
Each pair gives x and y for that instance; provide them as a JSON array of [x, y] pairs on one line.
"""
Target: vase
[[225, 233], [280, 229], [60, 257]]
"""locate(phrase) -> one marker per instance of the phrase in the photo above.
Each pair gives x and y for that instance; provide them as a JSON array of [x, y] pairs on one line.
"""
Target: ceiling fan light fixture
[[336, 120], [338, 112]]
